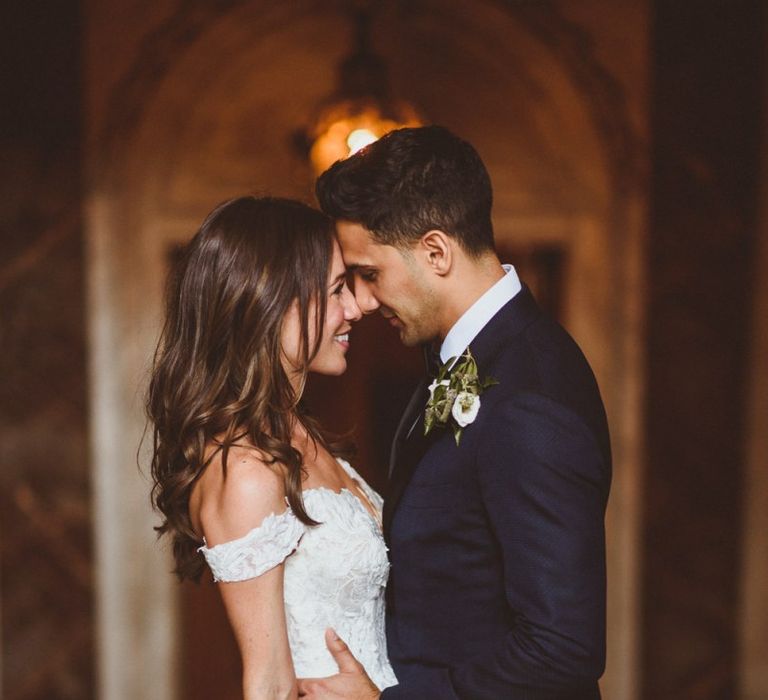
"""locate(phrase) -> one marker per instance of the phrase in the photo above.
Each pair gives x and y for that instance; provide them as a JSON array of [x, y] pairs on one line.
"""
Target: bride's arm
[[256, 611], [229, 508]]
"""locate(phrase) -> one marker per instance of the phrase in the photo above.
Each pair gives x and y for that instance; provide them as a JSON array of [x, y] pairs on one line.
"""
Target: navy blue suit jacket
[[497, 585]]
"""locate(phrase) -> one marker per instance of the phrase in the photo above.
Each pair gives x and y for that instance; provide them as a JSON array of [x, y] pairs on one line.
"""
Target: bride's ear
[[437, 248]]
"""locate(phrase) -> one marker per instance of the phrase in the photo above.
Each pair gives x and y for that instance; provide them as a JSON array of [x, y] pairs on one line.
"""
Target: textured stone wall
[[45, 560], [706, 119]]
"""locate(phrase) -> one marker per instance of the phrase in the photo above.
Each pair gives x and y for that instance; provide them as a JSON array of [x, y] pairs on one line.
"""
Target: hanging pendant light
[[361, 110]]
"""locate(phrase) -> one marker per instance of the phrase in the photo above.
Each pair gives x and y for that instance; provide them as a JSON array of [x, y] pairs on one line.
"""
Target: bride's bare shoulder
[[228, 502]]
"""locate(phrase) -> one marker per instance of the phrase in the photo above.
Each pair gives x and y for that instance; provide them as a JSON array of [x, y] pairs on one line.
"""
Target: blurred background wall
[[626, 143], [46, 553]]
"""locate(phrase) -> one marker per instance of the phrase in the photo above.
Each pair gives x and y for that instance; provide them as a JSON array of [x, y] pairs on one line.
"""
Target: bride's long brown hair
[[218, 376]]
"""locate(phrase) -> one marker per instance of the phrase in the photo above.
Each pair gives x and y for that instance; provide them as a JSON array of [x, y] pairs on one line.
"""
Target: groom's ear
[[437, 249]]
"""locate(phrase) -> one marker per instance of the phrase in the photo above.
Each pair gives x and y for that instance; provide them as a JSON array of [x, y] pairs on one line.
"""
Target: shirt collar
[[474, 319]]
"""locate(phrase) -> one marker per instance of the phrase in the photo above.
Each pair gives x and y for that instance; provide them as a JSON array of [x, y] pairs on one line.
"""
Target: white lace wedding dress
[[335, 574]]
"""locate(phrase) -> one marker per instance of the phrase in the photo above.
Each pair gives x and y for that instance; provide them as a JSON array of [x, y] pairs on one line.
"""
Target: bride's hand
[[351, 683]]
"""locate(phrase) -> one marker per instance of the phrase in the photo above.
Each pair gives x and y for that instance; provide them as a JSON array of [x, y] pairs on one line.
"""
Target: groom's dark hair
[[412, 181]]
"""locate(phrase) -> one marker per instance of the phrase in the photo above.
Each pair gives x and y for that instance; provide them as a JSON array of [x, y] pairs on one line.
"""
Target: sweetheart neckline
[[344, 489]]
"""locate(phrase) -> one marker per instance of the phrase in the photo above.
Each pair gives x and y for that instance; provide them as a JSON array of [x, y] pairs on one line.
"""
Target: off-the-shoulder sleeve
[[257, 552]]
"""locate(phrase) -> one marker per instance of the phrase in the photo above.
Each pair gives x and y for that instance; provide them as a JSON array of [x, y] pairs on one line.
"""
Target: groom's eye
[[368, 275]]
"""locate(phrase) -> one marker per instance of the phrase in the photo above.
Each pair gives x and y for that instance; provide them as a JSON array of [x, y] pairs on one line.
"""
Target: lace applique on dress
[[336, 578], [255, 553]]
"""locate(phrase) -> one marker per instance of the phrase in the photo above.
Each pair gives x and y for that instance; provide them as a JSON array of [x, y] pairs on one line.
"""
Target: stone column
[[136, 602]]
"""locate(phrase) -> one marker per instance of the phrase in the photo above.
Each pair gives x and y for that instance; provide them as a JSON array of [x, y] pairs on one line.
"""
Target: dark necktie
[[432, 361]]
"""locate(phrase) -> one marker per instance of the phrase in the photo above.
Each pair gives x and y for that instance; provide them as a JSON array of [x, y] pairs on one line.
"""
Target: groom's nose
[[367, 302], [352, 310]]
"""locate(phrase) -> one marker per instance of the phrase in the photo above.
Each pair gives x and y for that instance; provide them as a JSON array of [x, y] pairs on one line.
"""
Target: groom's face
[[391, 280]]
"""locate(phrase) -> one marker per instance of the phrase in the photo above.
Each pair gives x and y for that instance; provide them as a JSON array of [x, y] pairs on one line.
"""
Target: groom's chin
[[410, 340]]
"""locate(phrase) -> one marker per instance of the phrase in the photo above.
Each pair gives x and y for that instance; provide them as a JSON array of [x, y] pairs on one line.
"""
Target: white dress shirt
[[474, 319]]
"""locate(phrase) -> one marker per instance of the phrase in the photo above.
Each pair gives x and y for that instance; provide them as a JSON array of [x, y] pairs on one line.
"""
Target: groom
[[497, 585]]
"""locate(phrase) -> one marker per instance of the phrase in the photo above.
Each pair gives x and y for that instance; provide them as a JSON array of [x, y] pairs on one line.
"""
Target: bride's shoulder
[[228, 502]]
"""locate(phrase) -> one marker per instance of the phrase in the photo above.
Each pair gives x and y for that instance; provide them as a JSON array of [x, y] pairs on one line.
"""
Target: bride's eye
[[339, 289]]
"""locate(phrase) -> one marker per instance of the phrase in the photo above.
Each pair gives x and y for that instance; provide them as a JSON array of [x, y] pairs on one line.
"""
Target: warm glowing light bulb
[[360, 138]]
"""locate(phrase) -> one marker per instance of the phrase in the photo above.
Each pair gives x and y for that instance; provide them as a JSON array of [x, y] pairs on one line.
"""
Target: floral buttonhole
[[454, 395]]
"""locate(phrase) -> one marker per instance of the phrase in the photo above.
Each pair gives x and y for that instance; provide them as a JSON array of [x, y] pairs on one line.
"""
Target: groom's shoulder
[[542, 374], [541, 346], [544, 359]]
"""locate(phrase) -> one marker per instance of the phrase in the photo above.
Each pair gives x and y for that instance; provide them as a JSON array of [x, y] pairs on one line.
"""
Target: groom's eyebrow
[[338, 278]]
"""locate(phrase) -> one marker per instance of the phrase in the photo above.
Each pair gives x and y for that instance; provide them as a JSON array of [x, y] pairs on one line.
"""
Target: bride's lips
[[342, 339]]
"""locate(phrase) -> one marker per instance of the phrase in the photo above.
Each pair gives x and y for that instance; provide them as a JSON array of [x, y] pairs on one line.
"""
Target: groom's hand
[[350, 683]]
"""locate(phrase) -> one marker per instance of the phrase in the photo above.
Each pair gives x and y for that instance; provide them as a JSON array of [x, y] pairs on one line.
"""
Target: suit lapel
[[401, 460], [415, 404]]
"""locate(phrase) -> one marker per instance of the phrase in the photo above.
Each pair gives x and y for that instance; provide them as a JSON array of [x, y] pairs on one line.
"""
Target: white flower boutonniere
[[454, 396]]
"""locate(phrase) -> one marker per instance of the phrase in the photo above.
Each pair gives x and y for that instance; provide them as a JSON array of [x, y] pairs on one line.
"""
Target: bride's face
[[341, 312]]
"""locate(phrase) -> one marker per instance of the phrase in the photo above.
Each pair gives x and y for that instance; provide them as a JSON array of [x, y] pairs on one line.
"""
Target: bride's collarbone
[[329, 475], [326, 473]]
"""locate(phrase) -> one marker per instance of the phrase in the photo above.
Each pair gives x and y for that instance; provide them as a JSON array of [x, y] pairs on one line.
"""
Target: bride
[[245, 479]]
